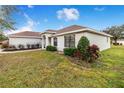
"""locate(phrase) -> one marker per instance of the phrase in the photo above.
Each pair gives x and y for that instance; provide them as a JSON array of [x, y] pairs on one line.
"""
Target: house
[[24, 38], [62, 38], [120, 41]]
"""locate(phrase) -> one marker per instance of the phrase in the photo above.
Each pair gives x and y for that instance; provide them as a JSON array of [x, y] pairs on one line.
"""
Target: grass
[[48, 69]]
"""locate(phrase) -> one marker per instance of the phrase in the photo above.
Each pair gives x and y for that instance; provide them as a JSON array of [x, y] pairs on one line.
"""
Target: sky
[[42, 17]]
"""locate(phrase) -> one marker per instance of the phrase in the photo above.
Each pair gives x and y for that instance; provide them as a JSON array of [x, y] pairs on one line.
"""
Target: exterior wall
[[60, 43], [77, 37], [103, 42], [24, 41]]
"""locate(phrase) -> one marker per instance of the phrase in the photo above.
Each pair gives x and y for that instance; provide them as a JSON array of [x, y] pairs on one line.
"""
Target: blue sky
[[40, 18]]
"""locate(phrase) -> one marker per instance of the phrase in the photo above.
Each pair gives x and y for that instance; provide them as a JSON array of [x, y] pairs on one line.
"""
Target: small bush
[[37, 45], [51, 48], [12, 46], [77, 54], [93, 53], [69, 51], [121, 44], [28, 46], [21, 46], [32, 46]]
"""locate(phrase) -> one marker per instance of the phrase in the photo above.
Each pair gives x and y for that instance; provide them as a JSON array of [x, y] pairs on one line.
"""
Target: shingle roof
[[25, 34], [70, 28]]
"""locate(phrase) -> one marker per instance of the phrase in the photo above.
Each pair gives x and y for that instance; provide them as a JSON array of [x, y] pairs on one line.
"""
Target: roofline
[[47, 32], [83, 30], [24, 37]]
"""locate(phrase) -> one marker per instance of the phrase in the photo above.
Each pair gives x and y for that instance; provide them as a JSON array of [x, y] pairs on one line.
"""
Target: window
[[55, 41], [69, 40], [49, 40]]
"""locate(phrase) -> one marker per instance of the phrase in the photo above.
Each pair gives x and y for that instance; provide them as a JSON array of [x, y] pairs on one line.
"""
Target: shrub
[[37, 45], [121, 44], [33, 46], [83, 44], [12, 46], [93, 53], [82, 47], [51, 48], [69, 51], [28, 46], [77, 54], [21, 46]]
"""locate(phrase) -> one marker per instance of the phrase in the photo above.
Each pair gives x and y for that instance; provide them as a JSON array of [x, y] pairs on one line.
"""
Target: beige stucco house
[[24, 38], [119, 41], [62, 38]]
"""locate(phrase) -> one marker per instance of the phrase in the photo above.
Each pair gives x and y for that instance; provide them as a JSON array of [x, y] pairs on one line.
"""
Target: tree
[[2, 37], [122, 33], [115, 31], [6, 21]]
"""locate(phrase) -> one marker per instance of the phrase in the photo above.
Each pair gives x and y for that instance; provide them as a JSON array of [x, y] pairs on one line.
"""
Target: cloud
[[30, 6], [28, 27], [68, 14], [99, 9]]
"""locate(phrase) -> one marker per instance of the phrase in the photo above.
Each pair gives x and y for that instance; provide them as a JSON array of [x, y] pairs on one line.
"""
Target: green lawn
[[49, 69]]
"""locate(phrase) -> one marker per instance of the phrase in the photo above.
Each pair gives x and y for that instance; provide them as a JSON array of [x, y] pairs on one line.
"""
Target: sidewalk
[[5, 52]]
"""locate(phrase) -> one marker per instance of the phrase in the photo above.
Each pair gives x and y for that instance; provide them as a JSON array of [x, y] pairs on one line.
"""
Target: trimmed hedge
[[69, 51], [51, 48]]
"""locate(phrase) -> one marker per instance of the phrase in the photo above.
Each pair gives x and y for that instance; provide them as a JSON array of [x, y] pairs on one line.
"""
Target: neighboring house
[[63, 38], [24, 38], [120, 41]]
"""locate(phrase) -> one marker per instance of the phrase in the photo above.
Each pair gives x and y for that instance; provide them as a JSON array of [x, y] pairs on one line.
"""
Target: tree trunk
[[115, 41]]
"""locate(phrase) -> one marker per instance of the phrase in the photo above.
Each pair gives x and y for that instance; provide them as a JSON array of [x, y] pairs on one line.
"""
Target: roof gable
[[70, 28]]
